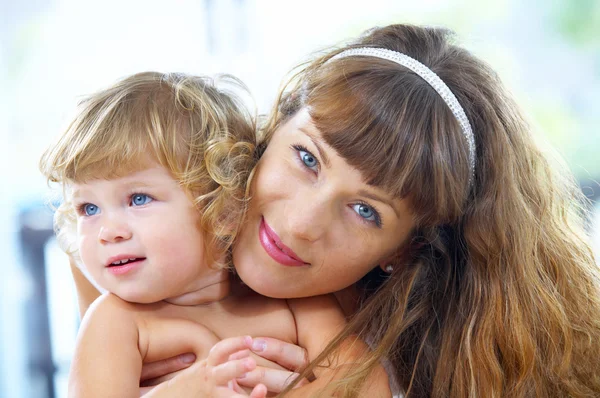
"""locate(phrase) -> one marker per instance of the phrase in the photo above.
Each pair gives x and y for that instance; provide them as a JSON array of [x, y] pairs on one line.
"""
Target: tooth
[[131, 259]]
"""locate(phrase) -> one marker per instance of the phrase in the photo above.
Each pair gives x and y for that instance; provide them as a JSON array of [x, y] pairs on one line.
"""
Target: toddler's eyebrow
[[75, 192], [133, 184], [138, 184]]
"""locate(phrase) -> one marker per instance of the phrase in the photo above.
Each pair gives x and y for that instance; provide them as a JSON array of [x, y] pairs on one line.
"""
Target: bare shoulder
[[108, 306], [254, 315], [324, 303], [111, 316], [318, 320], [318, 310]]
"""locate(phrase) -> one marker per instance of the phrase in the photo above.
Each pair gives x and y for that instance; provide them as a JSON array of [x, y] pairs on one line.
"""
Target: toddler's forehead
[[112, 168]]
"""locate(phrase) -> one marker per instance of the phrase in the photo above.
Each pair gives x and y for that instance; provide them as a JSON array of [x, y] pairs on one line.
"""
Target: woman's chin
[[260, 285]]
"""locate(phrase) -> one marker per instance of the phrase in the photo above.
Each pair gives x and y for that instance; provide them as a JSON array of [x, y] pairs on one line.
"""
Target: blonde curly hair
[[194, 126]]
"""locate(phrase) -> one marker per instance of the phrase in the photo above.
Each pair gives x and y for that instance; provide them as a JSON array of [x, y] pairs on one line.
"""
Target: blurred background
[[53, 52]]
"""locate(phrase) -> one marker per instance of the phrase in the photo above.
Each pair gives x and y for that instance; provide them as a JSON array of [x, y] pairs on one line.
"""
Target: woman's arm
[[214, 376], [86, 292], [318, 320]]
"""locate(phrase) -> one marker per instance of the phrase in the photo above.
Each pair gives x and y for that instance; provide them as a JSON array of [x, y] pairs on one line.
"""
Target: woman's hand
[[154, 373], [215, 376], [289, 356]]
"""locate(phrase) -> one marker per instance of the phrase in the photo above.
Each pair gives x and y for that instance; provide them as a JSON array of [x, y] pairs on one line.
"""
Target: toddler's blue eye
[[308, 159], [90, 209], [140, 199], [365, 211]]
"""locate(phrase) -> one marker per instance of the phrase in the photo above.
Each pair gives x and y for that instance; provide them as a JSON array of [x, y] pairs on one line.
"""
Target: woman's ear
[[386, 267], [387, 264], [402, 253]]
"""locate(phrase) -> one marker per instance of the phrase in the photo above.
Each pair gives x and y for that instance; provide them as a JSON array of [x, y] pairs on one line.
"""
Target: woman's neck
[[348, 300]]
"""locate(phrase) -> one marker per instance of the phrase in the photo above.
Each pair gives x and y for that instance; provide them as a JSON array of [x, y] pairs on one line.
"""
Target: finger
[[224, 392], [156, 369], [274, 380], [260, 391], [230, 370], [288, 355], [221, 351], [240, 354]]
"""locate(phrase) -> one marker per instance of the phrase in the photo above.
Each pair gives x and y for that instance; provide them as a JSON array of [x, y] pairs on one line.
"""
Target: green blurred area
[[578, 21]]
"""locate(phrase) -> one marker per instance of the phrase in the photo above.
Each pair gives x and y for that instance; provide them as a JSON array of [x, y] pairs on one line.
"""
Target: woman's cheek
[[274, 182]]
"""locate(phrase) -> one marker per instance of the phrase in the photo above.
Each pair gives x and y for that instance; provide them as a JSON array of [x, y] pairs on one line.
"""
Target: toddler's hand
[[215, 376]]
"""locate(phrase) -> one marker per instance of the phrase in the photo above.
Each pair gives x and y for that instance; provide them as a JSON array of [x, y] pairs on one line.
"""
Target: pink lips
[[122, 269], [275, 248]]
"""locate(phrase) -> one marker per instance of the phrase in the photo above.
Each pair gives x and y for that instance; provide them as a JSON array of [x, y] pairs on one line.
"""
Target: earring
[[389, 268]]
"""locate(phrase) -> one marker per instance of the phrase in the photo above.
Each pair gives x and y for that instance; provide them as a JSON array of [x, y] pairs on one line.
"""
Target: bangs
[[117, 157], [369, 115]]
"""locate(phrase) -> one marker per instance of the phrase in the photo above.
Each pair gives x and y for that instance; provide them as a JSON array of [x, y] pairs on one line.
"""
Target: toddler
[[154, 172]]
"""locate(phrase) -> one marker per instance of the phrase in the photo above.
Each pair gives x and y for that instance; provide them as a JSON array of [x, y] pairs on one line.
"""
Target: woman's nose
[[309, 216], [114, 229]]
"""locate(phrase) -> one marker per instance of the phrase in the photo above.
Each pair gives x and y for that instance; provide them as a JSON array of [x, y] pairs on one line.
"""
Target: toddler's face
[[139, 238]]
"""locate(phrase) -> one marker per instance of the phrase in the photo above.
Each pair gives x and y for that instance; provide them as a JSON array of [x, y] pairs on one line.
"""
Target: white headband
[[434, 81]]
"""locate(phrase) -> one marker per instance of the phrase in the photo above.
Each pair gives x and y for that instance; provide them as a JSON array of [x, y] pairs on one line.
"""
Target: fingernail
[[259, 345], [188, 358]]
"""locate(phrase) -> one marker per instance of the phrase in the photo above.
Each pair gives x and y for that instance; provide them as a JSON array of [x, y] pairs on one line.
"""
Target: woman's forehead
[[302, 125]]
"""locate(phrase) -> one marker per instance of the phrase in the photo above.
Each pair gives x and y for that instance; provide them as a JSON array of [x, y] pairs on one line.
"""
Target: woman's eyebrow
[[381, 199], [315, 141]]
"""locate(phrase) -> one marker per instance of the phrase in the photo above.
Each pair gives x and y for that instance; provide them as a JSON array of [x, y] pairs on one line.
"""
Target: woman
[[416, 189]]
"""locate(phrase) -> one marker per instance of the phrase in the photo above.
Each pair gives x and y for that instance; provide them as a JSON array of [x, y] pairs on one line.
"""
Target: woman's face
[[314, 226]]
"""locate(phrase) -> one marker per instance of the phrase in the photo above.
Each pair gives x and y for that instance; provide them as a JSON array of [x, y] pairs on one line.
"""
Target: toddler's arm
[[107, 361], [116, 337]]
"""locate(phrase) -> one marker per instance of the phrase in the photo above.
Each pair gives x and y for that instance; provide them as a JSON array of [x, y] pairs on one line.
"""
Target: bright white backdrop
[[54, 52]]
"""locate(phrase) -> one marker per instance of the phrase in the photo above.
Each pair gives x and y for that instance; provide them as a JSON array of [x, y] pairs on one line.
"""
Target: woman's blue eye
[[308, 159], [366, 212], [90, 209], [140, 199]]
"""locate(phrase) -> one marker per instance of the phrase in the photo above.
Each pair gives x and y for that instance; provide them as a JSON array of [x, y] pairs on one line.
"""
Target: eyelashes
[[366, 212], [87, 209], [137, 199], [306, 157]]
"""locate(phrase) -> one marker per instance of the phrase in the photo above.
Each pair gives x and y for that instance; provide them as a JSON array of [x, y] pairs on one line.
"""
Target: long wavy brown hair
[[496, 293], [197, 127]]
